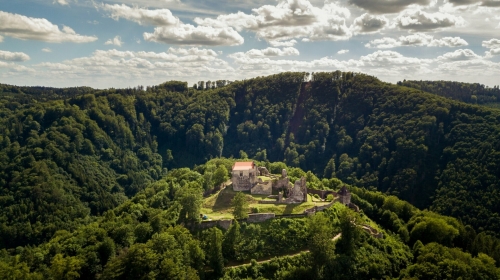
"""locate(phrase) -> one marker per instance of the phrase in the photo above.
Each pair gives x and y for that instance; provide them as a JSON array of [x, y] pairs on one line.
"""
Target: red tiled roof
[[243, 165]]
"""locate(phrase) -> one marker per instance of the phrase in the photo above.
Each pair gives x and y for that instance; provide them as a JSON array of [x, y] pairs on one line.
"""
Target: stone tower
[[344, 196]]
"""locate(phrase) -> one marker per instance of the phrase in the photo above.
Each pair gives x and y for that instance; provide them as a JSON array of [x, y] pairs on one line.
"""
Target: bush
[[329, 197]]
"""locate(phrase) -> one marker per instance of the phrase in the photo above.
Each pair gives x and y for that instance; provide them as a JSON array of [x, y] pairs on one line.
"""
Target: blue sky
[[125, 43]]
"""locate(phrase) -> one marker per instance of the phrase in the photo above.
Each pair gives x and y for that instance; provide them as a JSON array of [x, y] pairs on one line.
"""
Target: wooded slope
[[62, 159]]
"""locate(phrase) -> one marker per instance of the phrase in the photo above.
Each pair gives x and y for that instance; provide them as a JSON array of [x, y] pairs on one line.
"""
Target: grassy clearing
[[264, 178], [218, 206]]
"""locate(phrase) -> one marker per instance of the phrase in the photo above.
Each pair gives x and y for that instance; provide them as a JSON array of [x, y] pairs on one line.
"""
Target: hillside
[[90, 150], [468, 93], [156, 235]]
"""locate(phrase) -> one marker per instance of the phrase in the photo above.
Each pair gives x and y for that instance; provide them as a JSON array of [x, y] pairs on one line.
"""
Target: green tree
[[231, 239], [240, 205], [320, 242], [65, 267], [191, 198], [350, 233], [214, 252], [243, 154], [220, 175], [329, 171]]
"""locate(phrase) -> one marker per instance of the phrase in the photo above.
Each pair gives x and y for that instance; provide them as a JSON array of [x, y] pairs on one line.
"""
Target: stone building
[[298, 193], [262, 187], [344, 196], [244, 175]]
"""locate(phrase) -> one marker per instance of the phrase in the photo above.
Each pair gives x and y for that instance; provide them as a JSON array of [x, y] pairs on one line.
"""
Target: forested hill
[[62, 159], [469, 93]]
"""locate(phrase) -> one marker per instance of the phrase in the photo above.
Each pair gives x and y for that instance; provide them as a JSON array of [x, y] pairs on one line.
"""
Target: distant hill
[[465, 92], [66, 159]]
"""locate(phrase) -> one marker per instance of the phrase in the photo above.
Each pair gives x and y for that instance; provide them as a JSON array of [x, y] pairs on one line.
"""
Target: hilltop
[[91, 150]]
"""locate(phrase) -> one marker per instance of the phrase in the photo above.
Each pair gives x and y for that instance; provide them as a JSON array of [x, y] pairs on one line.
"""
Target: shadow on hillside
[[223, 201]]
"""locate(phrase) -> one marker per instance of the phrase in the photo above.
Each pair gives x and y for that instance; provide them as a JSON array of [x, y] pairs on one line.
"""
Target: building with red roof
[[244, 175]]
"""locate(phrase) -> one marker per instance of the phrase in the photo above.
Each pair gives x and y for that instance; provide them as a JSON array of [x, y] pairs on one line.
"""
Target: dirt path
[[290, 255]]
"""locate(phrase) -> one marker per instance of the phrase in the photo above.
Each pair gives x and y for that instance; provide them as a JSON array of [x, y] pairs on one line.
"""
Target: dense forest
[[79, 164], [469, 93], [153, 235]]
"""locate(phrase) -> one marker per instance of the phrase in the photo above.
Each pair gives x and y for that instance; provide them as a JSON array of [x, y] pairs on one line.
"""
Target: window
[[241, 174]]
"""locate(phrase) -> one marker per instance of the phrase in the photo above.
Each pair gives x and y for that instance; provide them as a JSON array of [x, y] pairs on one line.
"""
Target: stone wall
[[321, 193], [268, 202], [345, 199], [263, 171], [291, 216], [299, 192], [372, 231], [263, 188], [354, 207], [241, 183], [281, 183], [260, 217]]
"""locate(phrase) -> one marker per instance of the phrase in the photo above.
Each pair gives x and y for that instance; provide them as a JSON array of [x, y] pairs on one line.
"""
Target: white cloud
[[265, 65], [492, 52], [289, 19], [193, 51], [270, 52], [61, 2], [187, 34], [158, 17], [16, 68], [342, 51], [384, 43], [367, 23], [47, 50], [114, 68], [290, 43], [384, 58], [13, 56], [385, 6], [170, 30], [384, 64], [40, 29], [448, 42], [494, 47], [471, 70], [462, 54], [492, 43], [117, 41], [417, 20], [417, 39]]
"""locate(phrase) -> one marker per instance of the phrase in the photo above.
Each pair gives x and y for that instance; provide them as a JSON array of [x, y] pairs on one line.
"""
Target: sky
[[126, 43]]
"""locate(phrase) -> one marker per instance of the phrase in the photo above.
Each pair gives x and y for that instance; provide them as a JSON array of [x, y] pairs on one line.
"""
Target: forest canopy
[[74, 157]]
